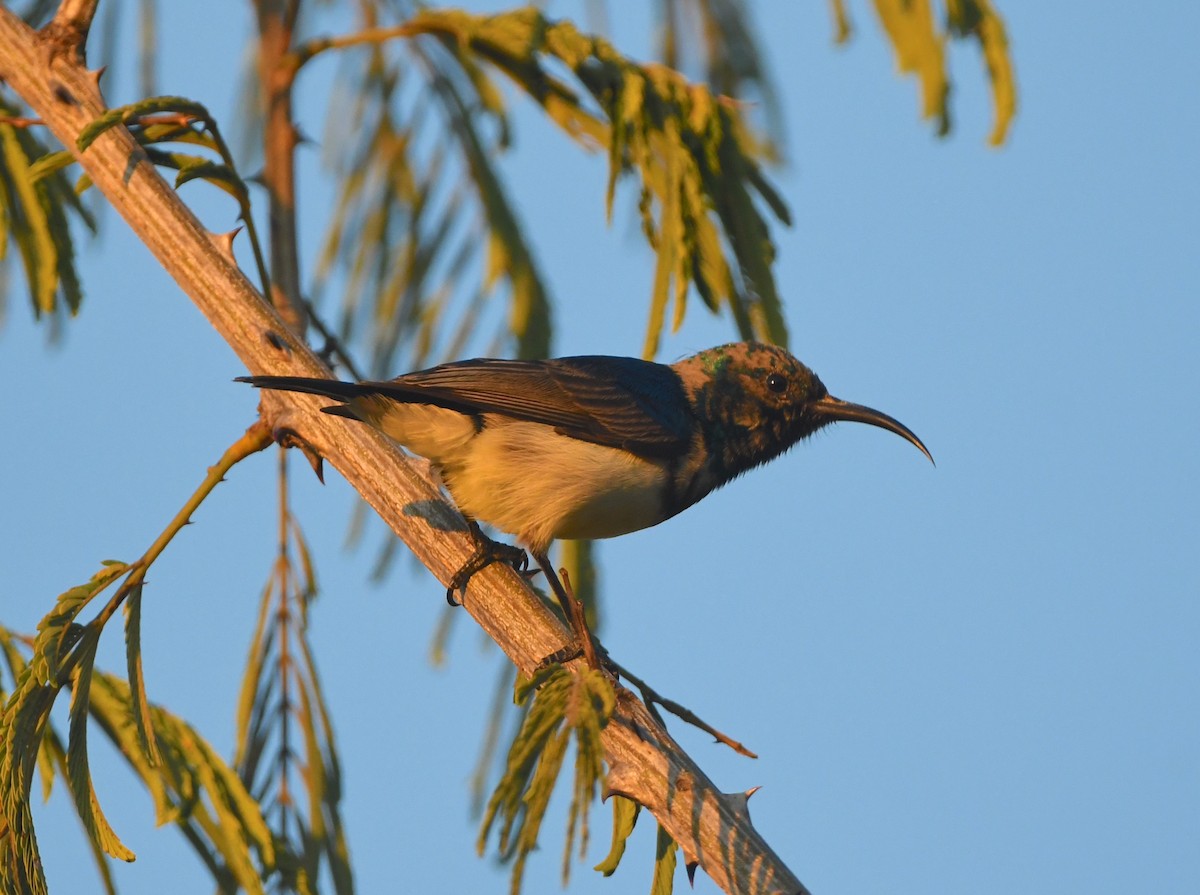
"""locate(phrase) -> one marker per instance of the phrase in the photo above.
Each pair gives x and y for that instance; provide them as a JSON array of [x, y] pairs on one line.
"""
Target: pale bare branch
[[712, 828]]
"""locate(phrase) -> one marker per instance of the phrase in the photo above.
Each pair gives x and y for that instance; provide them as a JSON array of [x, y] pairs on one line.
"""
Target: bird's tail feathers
[[343, 410], [329, 388]]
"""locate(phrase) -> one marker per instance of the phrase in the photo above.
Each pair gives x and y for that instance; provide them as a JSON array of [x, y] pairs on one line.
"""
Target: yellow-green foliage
[[565, 705], [700, 183], [921, 50], [35, 210], [190, 784]]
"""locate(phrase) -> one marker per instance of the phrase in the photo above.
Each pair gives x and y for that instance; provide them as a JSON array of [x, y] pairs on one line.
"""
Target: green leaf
[[689, 149], [423, 231], [193, 787], [61, 647], [22, 725], [126, 114], [529, 316], [625, 814], [181, 115], [977, 19], [535, 799], [220, 176], [664, 864], [286, 751], [50, 163], [58, 632], [566, 706], [78, 775], [328, 830], [252, 698], [308, 582], [133, 659], [33, 235], [37, 209], [921, 49]]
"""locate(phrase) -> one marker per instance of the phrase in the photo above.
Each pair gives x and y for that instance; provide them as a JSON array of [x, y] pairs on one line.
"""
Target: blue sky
[[975, 677]]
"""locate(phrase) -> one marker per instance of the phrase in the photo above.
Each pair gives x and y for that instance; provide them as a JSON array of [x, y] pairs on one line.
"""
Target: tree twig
[[305, 52], [332, 350], [276, 19], [67, 32], [652, 696], [253, 440]]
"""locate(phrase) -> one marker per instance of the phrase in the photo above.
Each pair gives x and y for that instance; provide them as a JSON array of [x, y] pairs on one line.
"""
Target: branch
[[651, 696], [319, 45], [253, 440], [67, 32], [645, 764], [276, 20]]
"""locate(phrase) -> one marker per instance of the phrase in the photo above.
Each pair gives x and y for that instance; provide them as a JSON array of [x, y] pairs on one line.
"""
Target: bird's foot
[[486, 552], [574, 650], [581, 639]]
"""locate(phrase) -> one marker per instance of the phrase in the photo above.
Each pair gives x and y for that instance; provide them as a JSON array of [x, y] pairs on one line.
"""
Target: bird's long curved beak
[[835, 409]]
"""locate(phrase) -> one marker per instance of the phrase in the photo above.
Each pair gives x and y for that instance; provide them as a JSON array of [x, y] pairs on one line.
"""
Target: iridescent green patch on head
[[770, 369], [715, 360]]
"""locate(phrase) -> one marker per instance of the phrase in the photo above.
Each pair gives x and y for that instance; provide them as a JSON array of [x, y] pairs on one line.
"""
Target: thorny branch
[[645, 764], [652, 697], [253, 440]]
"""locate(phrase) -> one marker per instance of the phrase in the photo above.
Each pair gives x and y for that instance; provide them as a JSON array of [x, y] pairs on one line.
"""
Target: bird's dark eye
[[777, 383]]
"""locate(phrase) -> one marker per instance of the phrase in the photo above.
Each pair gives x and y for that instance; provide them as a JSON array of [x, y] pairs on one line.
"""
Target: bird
[[591, 446]]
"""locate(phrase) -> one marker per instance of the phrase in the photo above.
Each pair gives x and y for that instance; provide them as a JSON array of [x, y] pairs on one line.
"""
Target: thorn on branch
[[224, 241], [739, 802], [288, 438]]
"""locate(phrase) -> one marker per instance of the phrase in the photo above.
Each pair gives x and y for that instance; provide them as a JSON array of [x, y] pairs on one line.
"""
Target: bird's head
[[755, 401]]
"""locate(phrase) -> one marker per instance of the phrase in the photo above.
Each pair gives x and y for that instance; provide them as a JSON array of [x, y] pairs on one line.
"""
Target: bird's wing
[[615, 401]]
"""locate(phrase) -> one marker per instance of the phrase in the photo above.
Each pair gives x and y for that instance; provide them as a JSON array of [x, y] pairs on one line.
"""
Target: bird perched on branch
[[593, 446]]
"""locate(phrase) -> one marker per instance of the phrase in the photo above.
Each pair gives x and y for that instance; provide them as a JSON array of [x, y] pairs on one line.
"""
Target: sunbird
[[591, 446]]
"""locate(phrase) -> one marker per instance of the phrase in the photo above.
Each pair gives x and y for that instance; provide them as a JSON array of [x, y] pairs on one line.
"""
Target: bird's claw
[[487, 551], [572, 651]]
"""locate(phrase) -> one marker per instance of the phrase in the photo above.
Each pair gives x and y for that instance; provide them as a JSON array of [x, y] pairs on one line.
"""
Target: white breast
[[528, 480]]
